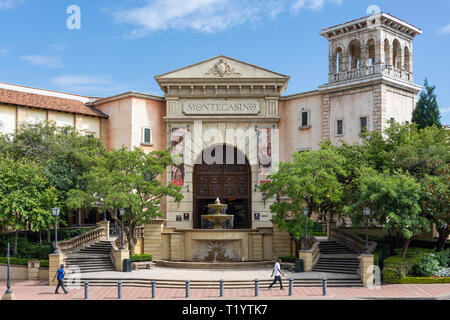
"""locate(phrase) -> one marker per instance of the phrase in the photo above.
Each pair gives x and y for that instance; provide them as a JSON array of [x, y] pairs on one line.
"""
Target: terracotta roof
[[49, 103]]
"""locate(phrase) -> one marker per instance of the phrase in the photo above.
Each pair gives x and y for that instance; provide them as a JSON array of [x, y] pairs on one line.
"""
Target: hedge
[[320, 234], [396, 268], [423, 280], [21, 261], [141, 257], [288, 259]]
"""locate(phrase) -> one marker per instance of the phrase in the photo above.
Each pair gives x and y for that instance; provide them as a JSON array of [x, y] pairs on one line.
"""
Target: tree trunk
[[298, 247], [40, 238], [16, 238], [443, 235], [405, 248]]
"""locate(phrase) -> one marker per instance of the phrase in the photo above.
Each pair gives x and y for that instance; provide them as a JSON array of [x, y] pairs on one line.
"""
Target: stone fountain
[[218, 217]]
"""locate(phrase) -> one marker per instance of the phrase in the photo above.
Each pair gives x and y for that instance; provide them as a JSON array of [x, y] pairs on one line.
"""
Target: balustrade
[[373, 69], [82, 239]]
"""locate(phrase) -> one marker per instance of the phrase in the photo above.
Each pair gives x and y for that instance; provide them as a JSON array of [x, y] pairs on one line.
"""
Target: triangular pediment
[[221, 67]]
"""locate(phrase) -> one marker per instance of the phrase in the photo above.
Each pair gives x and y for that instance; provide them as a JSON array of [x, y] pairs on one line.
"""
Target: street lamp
[[305, 213], [55, 213], [367, 214], [8, 283], [122, 213]]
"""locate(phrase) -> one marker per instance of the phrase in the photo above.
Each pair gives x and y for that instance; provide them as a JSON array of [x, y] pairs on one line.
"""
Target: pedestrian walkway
[[38, 290]]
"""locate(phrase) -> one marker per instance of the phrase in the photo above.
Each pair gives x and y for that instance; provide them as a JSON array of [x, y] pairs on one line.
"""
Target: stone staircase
[[92, 258], [337, 258]]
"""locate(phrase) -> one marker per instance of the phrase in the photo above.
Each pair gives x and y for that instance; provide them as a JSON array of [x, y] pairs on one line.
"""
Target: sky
[[120, 45]]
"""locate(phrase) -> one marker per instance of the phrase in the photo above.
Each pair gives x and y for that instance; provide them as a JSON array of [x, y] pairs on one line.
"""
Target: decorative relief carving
[[222, 68]]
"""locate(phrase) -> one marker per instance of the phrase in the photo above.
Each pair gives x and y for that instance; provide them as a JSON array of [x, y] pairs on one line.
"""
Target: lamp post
[[367, 214], [305, 213], [122, 213], [8, 283], [55, 213]]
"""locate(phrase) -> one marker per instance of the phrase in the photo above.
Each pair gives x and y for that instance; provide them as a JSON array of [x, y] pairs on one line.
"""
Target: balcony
[[388, 70]]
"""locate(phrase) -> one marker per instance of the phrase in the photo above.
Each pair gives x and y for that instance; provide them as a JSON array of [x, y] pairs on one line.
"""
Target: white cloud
[[445, 30], [58, 46], [7, 4], [44, 61], [207, 16], [445, 110], [312, 4]]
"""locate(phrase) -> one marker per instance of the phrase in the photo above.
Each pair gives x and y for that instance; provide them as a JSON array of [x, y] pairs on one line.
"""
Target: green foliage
[[395, 202], [130, 180], [27, 197], [427, 112], [320, 234], [288, 259], [141, 257], [423, 280], [22, 261], [430, 264], [396, 267], [310, 180]]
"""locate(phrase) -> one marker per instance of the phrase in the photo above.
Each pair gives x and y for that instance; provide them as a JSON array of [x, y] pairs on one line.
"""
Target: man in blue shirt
[[60, 273]]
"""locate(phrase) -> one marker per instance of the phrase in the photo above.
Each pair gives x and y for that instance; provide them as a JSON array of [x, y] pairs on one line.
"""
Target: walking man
[[60, 273], [277, 273]]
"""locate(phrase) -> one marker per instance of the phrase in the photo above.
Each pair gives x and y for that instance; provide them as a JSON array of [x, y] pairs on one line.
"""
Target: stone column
[[54, 262], [307, 257], [281, 242], [152, 238], [121, 255], [364, 56], [367, 260], [33, 270], [104, 224], [330, 225], [177, 246]]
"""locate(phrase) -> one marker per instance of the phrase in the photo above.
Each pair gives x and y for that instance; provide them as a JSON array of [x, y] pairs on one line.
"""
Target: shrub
[[21, 261], [288, 259], [320, 234], [392, 276], [423, 280], [427, 266], [444, 272], [141, 257]]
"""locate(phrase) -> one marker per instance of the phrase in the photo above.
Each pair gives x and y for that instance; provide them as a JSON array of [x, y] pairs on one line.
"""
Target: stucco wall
[[8, 119], [292, 138]]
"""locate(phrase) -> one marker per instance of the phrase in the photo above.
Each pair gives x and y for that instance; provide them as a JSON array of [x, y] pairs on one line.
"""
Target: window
[[304, 119], [363, 121], [147, 135], [340, 128]]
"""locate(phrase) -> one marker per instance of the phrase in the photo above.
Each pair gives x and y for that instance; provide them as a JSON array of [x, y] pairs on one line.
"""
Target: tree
[[309, 180], [26, 197], [130, 180], [436, 204], [394, 198], [427, 112]]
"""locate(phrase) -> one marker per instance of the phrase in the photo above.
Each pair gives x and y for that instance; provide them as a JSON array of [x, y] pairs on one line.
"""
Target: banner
[[264, 154], [177, 136]]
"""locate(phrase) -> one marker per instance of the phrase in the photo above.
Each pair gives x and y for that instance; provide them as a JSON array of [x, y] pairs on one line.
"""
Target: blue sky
[[123, 44]]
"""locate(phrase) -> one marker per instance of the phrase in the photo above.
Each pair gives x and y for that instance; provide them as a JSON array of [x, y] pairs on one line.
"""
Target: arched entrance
[[227, 180]]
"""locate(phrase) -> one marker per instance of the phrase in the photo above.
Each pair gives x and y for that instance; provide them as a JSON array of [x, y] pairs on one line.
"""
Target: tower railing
[[381, 68]]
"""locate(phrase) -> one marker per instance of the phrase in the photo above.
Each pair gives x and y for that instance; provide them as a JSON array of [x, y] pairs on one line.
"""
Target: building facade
[[229, 123]]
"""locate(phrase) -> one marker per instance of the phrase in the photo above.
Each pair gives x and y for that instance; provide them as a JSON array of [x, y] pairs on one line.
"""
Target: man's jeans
[[277, 278], [60, 284]]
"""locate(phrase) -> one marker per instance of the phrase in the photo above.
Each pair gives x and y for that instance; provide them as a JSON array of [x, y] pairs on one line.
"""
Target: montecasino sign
[[221, 107]]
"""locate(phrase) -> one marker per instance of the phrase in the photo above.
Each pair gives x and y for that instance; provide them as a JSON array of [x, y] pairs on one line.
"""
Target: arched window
[[371, 45], [407, 60], [387, 52], [338, 60], [355, 54], [397, 54]]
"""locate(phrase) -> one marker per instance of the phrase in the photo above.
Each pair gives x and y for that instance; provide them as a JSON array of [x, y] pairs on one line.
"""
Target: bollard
[[291, 286], [153, 289], [86, 290], [221, 287], [256, 287], [324, 286], [119, 288], [187, 289]]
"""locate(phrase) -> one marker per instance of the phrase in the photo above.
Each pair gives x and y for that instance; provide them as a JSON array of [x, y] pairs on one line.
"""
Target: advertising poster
[[177, 142], [264, 153]]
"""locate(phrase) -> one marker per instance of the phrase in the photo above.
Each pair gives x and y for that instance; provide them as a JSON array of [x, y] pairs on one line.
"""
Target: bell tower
[[373, 46]]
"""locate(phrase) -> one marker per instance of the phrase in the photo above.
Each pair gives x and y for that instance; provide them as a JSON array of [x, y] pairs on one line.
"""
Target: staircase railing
[[82, 239], [351, 240]]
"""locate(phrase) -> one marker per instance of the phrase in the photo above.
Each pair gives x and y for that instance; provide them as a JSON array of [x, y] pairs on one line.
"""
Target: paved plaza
[[39, 290]]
